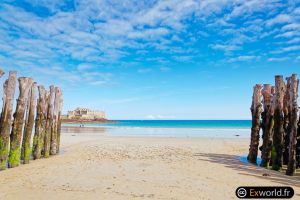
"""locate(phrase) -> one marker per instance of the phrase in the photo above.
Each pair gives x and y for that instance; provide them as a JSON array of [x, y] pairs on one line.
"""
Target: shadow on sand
[[233, 162]]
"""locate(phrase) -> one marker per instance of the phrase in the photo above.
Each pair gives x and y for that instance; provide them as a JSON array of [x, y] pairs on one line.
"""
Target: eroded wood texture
[[29, 123], [49, 122], [53, 145], [256, 109], [278, 142], [293, 112], [267, 124], [60, 104], [6, 117], [286, 118], [40, 121], [17, 127]]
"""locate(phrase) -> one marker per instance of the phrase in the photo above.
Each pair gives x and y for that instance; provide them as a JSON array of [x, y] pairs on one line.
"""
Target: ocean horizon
[[175, 128]]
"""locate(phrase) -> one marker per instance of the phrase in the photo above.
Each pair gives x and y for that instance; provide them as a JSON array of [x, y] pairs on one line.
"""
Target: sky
[[179, 59]]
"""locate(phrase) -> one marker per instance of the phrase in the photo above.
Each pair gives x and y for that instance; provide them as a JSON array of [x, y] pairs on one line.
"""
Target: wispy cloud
[[278, 59], [159, 117], [225, 47], [97, 36], [244, 58], [279, 19]]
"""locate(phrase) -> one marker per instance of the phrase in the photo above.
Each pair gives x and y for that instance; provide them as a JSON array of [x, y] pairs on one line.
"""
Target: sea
[[175, 128]]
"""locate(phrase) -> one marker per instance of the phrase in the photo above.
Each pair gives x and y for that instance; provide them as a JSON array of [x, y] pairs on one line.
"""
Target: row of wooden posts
[[41, 116], [275, 111]]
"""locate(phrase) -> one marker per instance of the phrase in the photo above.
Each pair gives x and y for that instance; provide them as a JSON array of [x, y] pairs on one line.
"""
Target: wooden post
[[53, 144], [38, 139], [267, 124], [298, 145], [49, 123], [256, 108], [6, 117], [293, 110], [59, 118], [286, 119], [17, 127], [277, 151], [25, 153]]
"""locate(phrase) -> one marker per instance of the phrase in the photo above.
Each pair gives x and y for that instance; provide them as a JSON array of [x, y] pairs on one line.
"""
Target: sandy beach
[[96, 166]]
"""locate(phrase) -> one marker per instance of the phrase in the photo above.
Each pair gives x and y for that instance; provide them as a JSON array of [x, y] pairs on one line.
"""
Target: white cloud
[[290, 48], [279, 19], [85, 66], [294, 40], [243, 58], [292, 26], [153, 117], [225, 47], [182, 58], [288, 34], [278, 59]]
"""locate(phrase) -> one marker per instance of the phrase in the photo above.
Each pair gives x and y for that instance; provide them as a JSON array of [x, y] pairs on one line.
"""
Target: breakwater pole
[[256, 109], [55, 133], [278, 142], [17, 126], [40, 122], [293, 123], [29, 123], [280, 125], [49, 122], [6, 117], [58, 129], [267, 124], [16, 129], [286, 121], [298, 145]]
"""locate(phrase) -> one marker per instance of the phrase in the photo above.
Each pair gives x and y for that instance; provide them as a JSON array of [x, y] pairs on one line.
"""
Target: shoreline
[[168, 132]]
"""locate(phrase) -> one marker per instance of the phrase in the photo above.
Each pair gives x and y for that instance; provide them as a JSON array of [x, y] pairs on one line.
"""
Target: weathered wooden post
[[298, 144], [286, 119], [277, 151], [256, 108], [53, 144], [266, 93], [38, 139], [49, 122], [268, 123], [60, 104], [6, 117], [17, 127], [293, 110], [25, 153]]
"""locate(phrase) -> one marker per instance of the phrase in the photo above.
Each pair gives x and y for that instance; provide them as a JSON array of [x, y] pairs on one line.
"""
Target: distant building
[[85, 113]]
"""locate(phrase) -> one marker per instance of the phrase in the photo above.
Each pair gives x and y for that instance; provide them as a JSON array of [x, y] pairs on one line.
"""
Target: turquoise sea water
[[176, 128]]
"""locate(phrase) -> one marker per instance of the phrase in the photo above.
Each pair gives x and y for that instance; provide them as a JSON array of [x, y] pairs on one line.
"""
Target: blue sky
[[152, 59]]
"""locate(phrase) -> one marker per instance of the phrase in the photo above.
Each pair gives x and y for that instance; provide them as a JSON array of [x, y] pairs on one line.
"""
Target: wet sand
[[95, 166]]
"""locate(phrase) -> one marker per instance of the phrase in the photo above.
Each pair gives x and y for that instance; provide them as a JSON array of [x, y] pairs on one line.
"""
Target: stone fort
[[85, 113]]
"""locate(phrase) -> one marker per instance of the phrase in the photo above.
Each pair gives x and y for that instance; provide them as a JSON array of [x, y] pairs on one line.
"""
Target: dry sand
[[95, 166]]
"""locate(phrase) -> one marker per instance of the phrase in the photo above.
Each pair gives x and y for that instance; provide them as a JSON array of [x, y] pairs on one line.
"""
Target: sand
[[96, 166]]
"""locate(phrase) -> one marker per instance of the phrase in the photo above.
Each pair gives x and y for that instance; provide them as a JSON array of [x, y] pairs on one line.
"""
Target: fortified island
[[84, 115]]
